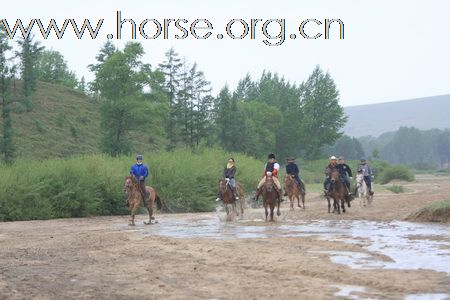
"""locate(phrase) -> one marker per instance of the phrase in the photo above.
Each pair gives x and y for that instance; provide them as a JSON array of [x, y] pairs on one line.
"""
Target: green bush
[[93, 184], [397, 189], [396, 172]]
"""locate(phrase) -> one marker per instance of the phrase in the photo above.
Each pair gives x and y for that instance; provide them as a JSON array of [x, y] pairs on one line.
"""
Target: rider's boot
[[218, 197], [256, 195]]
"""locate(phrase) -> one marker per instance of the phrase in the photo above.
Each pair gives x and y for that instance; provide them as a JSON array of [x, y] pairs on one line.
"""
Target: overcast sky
[[392, 50]]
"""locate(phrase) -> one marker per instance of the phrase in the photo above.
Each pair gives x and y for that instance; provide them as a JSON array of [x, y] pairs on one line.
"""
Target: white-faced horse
[[363, 191]]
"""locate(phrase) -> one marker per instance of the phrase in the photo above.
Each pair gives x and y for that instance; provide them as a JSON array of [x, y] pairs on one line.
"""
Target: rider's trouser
[[275, 180]]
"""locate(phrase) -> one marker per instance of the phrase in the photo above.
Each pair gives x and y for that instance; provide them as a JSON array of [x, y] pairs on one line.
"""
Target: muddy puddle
[[404, 245]]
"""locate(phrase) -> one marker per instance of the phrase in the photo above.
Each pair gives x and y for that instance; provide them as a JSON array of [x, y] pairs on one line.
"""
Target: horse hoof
[[130, 224], [147, 223], [278, 214]]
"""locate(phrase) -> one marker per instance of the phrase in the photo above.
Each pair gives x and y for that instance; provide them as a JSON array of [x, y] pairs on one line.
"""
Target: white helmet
[[333, 157]]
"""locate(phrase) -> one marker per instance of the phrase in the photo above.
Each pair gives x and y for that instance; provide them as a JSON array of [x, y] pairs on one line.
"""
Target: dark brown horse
[[133, 190], [293, 191], [228, 198], [270, 197], [338, 193]]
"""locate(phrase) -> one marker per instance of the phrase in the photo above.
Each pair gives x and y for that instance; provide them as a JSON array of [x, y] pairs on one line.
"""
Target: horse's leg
[[336, 206], [278, 208], [241, 204], [343, 204], [291, 200], [133, 214], [329, 205], [265, 209], [235, 210], [303, 201], [150, 213], [272, 208]]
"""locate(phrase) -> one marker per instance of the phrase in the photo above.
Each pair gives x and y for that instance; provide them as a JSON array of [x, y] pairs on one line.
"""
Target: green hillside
[[63, 122]]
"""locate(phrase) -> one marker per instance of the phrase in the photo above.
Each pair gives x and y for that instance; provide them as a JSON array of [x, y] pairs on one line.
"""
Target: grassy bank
[[435, 212]]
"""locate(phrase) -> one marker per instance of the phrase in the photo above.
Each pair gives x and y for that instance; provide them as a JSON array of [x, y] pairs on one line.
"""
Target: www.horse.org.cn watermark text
[[272, 32]]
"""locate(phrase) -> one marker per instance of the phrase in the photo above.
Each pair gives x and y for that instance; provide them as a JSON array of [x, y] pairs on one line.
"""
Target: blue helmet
[[363, 159], [139, 157]]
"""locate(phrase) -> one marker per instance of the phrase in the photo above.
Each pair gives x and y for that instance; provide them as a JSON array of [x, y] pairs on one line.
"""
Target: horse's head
[[359, 179], [269, 184], [222, 185], [129, 182], [334, 176]]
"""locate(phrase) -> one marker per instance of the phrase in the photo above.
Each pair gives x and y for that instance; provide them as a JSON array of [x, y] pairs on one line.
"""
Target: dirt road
[[101, 258]]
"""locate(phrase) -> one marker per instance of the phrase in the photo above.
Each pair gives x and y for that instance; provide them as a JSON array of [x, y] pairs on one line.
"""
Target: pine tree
[[6, 73], [171, 69], [28, 55]]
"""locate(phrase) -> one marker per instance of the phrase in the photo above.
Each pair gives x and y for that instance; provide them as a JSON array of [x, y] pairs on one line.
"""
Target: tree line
[[171, 105]]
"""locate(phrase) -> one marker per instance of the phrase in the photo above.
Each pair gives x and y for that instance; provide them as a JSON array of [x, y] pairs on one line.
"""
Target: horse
[[132, 188], [293, 191], [337, 192], [228, 198], [270, 197], [363, 191]]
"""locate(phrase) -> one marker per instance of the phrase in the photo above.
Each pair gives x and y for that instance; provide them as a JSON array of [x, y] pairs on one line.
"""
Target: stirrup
[[218, 199]]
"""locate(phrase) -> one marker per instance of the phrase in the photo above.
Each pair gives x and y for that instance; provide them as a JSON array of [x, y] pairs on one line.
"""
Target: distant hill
[[375, 119]]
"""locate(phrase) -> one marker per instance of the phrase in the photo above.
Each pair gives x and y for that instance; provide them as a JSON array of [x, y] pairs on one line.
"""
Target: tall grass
[[93, 184]]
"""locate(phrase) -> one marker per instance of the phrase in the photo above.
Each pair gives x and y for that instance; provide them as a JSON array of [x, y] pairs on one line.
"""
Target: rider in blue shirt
[[140, 172]]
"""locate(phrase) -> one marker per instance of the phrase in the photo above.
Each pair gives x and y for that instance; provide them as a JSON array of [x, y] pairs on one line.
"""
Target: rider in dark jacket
[[229, 173], [293, 170], [345, 172]]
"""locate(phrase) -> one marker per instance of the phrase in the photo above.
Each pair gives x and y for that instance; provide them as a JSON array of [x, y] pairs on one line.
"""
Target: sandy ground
[[97, 258]]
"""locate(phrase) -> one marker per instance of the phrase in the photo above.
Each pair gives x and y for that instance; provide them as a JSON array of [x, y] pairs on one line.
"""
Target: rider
[[332, 166], [293, 170], [367, 172], [346, 173], [229, 174], [140, 172], [270, 169]]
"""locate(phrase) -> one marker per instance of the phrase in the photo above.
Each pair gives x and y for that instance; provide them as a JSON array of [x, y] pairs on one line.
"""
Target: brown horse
[[228, 198], [338, 193], [293, 192], [133, 190], [270, 197]]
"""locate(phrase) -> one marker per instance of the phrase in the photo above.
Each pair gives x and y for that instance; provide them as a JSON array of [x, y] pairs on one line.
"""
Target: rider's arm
[[145, 172], [232, 173], [349, 172]]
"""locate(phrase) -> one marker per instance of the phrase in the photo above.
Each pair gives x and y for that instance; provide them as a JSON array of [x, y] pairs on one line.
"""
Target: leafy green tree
[[127, 101], [28, 54], [51, 67], [257, 128], [322, 116]]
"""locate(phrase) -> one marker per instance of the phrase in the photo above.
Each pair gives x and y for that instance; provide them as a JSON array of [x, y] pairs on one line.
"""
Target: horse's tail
[[158, 202]]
